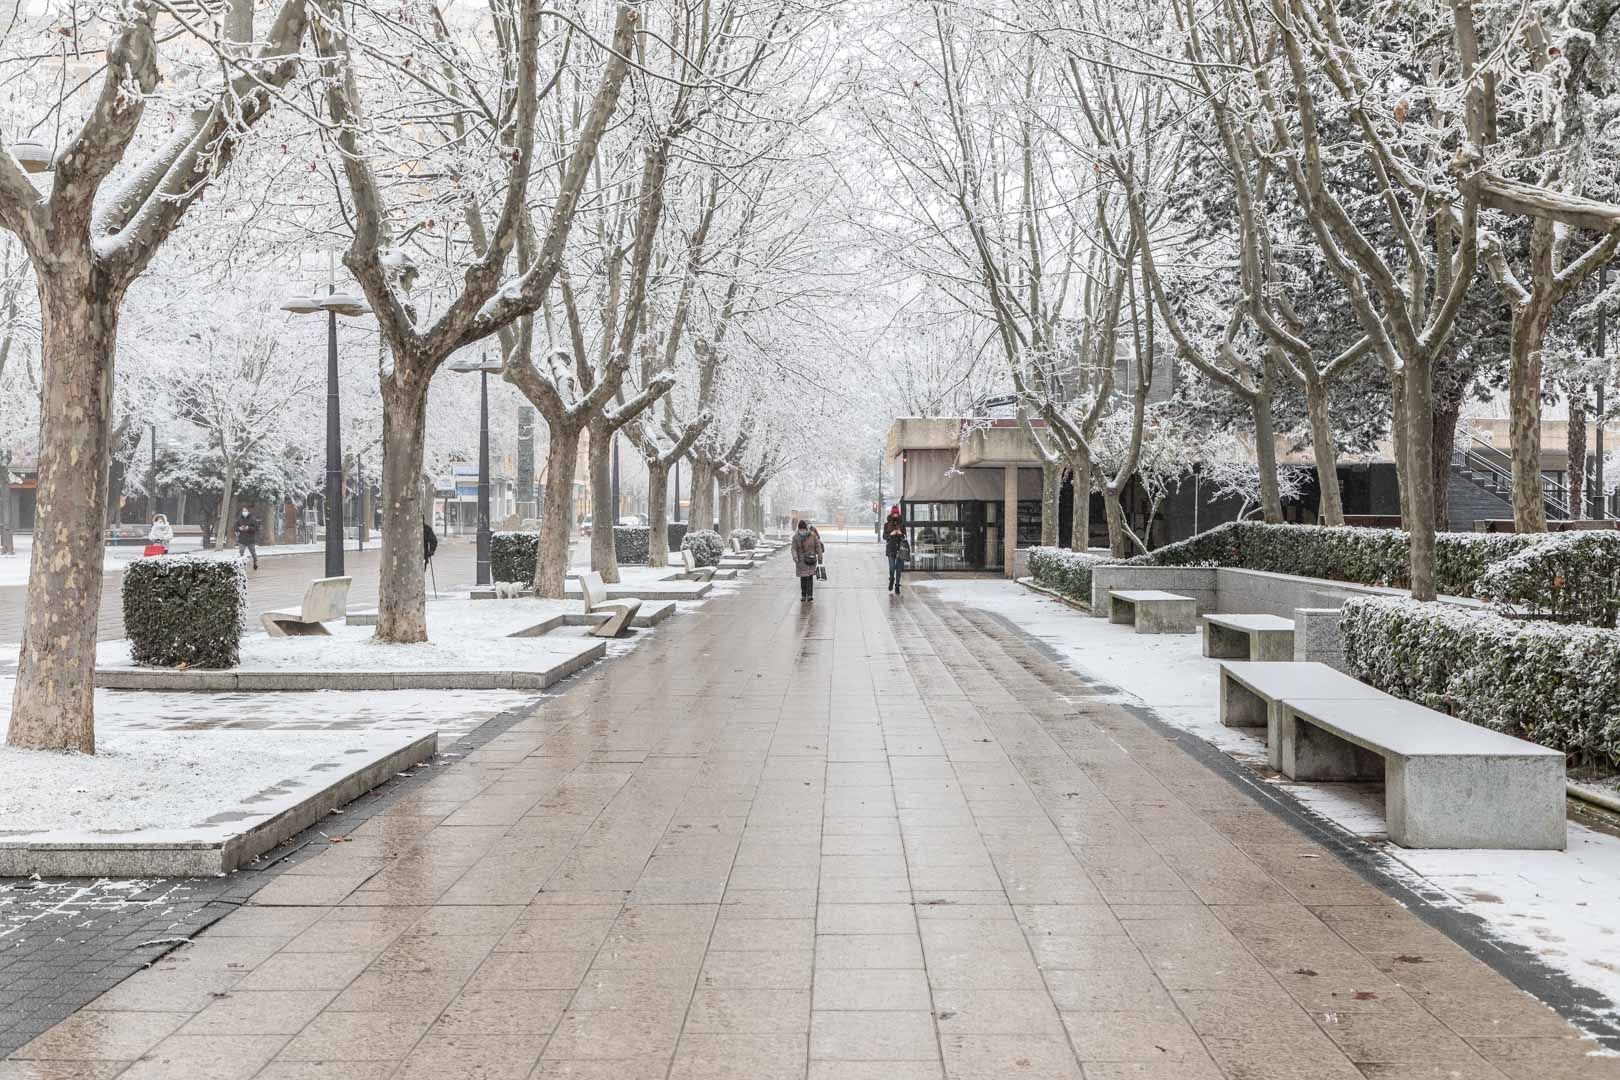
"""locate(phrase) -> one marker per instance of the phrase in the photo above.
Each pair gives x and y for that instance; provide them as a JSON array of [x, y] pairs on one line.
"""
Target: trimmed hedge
[[1066, 572], [747, 539], [1570, 577], [705, 545], [1359, 556], [676, 532], [512, 555], [184, 611], [1558, 686], [632, 544]]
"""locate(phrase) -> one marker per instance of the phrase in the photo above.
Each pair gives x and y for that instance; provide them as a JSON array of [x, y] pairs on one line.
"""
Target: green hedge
[[185, 611], [1359, 556], [1570, 577], [705, 545], [512, 555], [1558, 686], [747, 539], [632, 544]]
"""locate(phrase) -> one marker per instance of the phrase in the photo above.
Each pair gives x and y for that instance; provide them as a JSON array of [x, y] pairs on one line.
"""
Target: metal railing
[[1495, 468]]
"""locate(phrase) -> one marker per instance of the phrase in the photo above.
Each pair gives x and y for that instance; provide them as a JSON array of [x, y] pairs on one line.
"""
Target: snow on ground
[[1558, 904], [153, 780], [14, 568]]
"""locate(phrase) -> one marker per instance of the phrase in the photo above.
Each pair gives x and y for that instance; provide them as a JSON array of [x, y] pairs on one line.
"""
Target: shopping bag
[[155, 549]]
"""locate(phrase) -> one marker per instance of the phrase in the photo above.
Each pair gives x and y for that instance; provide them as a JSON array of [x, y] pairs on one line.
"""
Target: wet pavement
[[861, 839]]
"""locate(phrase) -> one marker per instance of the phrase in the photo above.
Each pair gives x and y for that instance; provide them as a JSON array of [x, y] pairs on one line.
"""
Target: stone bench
[[1447, 783], [1248, 637], [1151, 611], [1251, 693], [325, 599], [691, 571], [619, 612]]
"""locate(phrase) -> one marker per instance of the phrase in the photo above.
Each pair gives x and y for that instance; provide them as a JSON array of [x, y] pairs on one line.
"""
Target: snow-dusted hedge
[[1066, 572], [705, 545], [632, 544], [1554, 685], [512, 555], [1570, 577], [1360, 556], [747, 539], [185, 611], [676, 532]]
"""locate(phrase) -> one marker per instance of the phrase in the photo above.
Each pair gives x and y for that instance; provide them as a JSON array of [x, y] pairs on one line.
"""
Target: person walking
[[895, 548], [807, 552], [161, 535], [247, 536]]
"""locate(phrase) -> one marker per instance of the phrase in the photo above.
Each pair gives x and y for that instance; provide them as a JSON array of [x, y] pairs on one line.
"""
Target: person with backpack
[[247, 536], [896, 548], [807, 552]]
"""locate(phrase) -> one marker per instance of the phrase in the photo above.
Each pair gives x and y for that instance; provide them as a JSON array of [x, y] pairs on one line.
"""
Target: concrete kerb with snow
[[1557, 905]]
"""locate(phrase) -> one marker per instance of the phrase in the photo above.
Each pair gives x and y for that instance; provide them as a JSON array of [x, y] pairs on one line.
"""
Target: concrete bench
[[620, 612], [1248, 637], [1154, 612], [1251, 692], [1447, 783], [324, 600], [691, 571]]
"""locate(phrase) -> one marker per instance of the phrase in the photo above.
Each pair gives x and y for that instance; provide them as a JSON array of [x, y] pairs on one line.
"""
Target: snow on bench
[[1153, 611], [1248, 637], [1447, 783], [324, 600], [620, 612], [1250, 692]]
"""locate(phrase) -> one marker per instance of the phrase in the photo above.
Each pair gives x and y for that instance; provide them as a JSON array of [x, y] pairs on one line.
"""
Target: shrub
[[705, 545], [1554, 685], [1066, 572], [676, 532], [632, 544], [747, 539], [1570, 577], [185, 611], [512, 555]]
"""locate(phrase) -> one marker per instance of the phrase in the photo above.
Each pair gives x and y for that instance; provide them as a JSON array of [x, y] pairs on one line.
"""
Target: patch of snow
[[1560, 905]]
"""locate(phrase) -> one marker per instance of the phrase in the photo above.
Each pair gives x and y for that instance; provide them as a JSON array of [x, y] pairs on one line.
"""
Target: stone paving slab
[[868, 838]]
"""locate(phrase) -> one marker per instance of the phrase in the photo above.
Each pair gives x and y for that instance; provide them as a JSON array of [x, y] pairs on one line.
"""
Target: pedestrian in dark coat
[[807, 552], [430, 543], [247, 536], [894, 548]]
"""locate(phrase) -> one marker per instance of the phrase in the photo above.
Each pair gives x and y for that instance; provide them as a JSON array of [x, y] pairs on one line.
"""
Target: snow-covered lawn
[[166, 780], [1560, 905]]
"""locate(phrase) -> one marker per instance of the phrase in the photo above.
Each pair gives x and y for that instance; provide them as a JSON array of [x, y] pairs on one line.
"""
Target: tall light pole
[[484, 366], [1603, 380], [677, 511], [333, 303]]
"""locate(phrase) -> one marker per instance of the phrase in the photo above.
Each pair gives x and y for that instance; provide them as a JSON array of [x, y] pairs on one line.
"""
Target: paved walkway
[[856, 840]]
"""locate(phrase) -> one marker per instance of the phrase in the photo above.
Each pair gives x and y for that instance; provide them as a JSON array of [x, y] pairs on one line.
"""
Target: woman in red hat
[[895, 547]]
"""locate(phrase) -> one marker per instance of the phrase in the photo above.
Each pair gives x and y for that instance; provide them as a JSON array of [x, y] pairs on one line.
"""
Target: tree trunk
[[1330, 497], [1265, 455], [1446, 416], [604, 559], [401, 588], [1398, 437], [53, 707], [658, 514], [1420, 469], [557, 515], [1524, 419], [1119, 545], [701, 515], [1051, 492], [1577, 450], [1080, 527], [727, 517], [227, 493], [8, 527]]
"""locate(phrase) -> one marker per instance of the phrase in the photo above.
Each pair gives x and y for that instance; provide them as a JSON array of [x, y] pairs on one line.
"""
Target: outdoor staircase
[[1471, 497]]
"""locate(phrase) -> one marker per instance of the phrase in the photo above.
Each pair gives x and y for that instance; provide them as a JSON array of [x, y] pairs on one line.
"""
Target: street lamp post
[[677, 510], [333, 303], [484, 368], [1603, 381]]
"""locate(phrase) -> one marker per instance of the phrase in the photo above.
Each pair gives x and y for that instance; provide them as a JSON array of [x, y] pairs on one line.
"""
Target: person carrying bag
[[807, 552], [896, 548]]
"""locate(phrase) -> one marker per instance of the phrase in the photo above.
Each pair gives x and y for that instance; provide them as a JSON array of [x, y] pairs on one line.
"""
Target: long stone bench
[[1153, 611], [1251, 693], [1248, 637], [1447, 783]]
